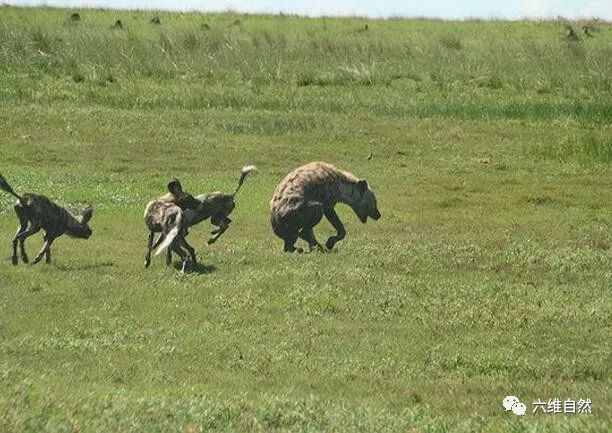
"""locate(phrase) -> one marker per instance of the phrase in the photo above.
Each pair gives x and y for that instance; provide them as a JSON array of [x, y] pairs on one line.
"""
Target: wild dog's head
[[79, 228], [366, 205]]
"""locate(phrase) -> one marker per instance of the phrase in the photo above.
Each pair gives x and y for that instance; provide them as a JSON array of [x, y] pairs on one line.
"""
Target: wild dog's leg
[[311, 215], [168, 256], [333, 218], [185, 251], [48, 253], [49, 238], [175, 247], [23, 225], [147, 261], [158, 242], [222, 227], [190, 250], [21, 237]]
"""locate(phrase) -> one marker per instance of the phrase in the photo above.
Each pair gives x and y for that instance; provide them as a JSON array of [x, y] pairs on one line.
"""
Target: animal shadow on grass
[[83, 266], [197, 268]]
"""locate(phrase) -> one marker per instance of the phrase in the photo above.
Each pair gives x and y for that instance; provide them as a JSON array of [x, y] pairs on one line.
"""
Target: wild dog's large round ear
[[174, 186], [86, 214], [363, 185]]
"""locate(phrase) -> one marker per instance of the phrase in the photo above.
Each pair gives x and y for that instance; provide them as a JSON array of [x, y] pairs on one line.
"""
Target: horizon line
[[558, 18]]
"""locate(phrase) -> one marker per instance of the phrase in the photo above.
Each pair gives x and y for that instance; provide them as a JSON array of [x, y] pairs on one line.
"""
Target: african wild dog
[[167, 218], [217, 206], [37, 212], [311, 191]]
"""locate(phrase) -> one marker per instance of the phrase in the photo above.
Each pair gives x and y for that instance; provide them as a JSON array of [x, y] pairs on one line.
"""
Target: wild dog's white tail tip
[[246, 170], [177, 226], [172, 234], [249, 169]]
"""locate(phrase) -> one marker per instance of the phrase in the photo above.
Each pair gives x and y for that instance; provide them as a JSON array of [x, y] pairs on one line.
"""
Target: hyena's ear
[[86, 214], [363, 185]]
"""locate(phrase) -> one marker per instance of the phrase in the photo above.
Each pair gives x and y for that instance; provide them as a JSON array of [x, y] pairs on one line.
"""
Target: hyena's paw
[[318, 248], [25, 259], [330, 243]]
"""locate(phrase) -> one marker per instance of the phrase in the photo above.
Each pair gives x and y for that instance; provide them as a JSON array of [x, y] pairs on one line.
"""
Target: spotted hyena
[[311, 191], [37, 212]]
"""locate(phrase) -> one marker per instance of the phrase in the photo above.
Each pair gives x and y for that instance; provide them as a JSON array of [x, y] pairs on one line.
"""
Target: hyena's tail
[[4, 186], [177, 227], [246, 170]]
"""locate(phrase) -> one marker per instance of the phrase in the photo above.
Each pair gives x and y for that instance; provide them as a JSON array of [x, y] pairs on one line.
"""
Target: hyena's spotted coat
[[36, 212], [311, 191]]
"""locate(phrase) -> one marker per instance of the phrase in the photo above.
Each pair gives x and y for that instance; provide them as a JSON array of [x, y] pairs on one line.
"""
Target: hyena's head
[[366, 204], [79, 228]]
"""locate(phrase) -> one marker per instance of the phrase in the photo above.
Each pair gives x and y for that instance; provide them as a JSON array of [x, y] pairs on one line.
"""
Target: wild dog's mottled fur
[[311, 191], [37, 212], [167, 218], [217, 206]]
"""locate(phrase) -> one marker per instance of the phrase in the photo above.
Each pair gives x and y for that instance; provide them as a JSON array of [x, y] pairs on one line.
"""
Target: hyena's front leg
[[333, 218], [46, 249]]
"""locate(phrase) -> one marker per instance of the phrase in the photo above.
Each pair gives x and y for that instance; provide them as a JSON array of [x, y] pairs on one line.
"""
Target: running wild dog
[[217, 206], [311, 191], [37, 212]]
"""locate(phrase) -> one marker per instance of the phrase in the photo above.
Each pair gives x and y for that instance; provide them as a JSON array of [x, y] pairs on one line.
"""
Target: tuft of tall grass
[[585, 150]]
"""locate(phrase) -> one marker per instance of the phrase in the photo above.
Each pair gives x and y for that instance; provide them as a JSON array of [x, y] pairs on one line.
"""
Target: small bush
[[451, 41]]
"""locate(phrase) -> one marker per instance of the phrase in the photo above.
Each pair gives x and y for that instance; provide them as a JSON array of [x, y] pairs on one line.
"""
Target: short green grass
[[488, 274]]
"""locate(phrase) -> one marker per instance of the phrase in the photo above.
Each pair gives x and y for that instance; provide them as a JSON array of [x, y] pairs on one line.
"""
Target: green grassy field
[[488, 274]]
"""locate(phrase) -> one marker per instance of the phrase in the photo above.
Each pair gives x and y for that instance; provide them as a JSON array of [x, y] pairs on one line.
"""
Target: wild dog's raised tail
[[4, 186], [246, 170]]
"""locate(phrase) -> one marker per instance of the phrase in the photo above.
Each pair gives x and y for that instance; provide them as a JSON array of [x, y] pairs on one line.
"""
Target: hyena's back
[[304, 187]]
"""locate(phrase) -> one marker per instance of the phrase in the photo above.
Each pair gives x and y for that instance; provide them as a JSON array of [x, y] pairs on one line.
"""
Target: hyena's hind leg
[[311, 215], [299, 223], [23, 233]]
